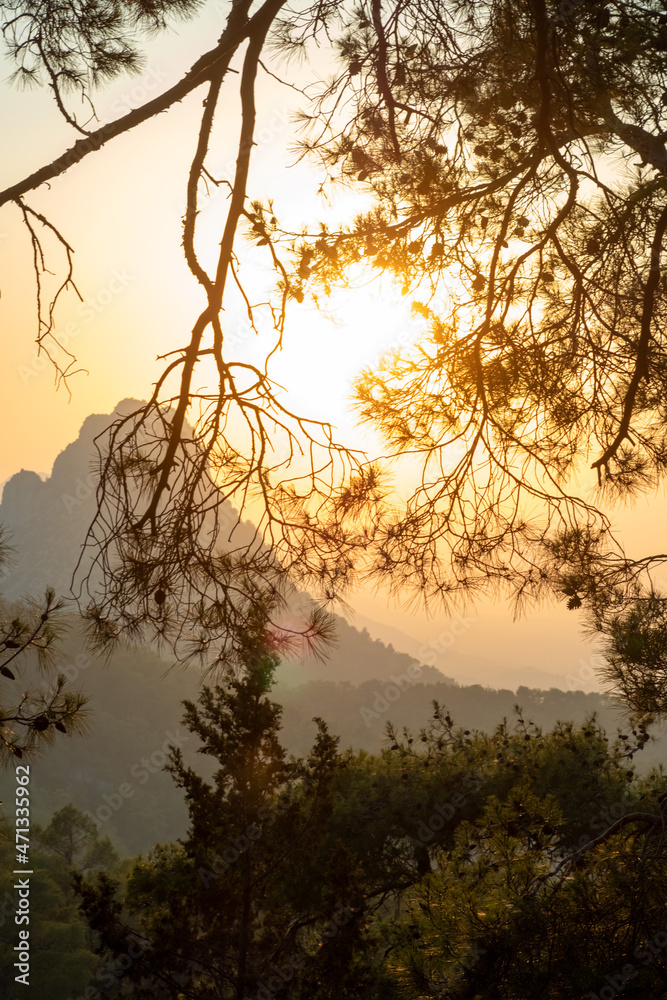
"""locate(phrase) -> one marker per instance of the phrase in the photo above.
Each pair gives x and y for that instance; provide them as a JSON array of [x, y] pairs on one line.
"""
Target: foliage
[[232, 907], [514, 157], [556, 886], [29, 720], [497, 141], [81, 44], [73, 836], [62, 960], [454, 860], [133, 721]]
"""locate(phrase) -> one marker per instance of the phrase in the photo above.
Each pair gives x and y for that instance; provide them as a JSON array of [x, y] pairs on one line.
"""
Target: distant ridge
[[466, 668], [136, 713], [46, 522]]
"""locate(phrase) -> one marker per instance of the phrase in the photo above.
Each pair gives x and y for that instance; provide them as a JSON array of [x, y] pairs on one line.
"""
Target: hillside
[[46, 523], [115, 771]]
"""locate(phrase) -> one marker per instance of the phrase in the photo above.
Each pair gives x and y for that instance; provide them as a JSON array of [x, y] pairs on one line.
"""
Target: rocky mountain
[[46, 521], [136, 700]]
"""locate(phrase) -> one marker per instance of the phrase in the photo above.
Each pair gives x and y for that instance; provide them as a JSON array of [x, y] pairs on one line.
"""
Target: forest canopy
[[510, 165], [454, 864]]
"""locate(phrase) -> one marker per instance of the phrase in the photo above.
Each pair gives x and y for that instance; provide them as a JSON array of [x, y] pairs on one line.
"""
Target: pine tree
[[227, 912]]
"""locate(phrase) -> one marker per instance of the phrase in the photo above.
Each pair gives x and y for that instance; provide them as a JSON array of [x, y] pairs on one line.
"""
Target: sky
[[121, 212]]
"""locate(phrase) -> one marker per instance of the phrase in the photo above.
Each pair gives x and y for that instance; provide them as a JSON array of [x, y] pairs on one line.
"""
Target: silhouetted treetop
[[514, 156]]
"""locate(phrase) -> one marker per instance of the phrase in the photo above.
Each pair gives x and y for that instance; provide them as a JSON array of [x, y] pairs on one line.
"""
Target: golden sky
[[121, 211]]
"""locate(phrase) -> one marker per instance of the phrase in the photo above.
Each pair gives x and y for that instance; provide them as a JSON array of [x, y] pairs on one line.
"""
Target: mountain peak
[[46, 523]]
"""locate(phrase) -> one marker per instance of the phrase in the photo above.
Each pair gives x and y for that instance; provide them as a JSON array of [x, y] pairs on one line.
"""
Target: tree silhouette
[[73, 836], [454, 861], [159, 529], [237, 910], [30, 717], [486, 134], [515, 157]]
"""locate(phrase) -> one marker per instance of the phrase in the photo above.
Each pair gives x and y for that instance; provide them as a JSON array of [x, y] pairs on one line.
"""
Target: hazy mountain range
[[135, 700], [46, 520], [115, 772]]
